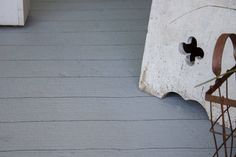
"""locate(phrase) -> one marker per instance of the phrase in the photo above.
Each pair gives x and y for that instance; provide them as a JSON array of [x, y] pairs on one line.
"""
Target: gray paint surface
[[69, 87]]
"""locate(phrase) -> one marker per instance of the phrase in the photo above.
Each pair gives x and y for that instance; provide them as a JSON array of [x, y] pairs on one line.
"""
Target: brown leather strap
[[218, 51]]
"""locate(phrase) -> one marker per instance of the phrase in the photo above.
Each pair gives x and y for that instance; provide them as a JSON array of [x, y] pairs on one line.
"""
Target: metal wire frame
[[225, 104]]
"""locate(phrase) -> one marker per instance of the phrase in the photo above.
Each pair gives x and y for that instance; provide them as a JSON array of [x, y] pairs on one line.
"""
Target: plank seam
[[65, 60], [68, 77], [107, 149], [102, 120], [66, 97]]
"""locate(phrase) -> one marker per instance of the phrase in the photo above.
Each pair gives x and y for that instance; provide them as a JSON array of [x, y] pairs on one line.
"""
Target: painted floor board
[[95, 4], [69, 87], [33, 26], [71, 52], [76, 15], [105, 135], [81, 38], [128, 68], [116, 153], [98, 109]]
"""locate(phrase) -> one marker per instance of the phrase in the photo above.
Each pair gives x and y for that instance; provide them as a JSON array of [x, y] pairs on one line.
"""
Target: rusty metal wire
[[224, 102]]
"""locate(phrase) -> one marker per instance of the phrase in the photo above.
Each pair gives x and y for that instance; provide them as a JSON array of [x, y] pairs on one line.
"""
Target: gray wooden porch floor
[[68, 87]]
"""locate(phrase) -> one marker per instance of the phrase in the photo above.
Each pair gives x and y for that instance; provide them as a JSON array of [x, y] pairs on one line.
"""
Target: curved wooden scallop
[[164, 69]]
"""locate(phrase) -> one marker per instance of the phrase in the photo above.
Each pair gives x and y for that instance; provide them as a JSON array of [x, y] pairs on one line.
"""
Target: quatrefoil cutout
[[191, 50]]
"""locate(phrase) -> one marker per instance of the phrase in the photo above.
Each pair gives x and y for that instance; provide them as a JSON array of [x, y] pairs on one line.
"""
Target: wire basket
[[224, 147]]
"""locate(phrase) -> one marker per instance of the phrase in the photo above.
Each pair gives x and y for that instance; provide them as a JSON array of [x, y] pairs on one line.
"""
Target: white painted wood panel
[[164, 68], [14, 12]]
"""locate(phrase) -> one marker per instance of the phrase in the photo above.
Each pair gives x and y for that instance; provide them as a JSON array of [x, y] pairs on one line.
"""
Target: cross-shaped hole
[[191, 50]]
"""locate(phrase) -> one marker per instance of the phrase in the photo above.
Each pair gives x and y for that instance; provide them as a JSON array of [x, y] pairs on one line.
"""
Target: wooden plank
[[81, 38], [95, 4], [99, 109], [75, 26], [69, 87], [130, 68], [106, 135], [116, 153], [71, 52], [75, 15]]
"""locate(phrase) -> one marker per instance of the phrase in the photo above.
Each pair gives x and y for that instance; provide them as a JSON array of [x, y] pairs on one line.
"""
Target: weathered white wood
[[14, 12], [171, 22]]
